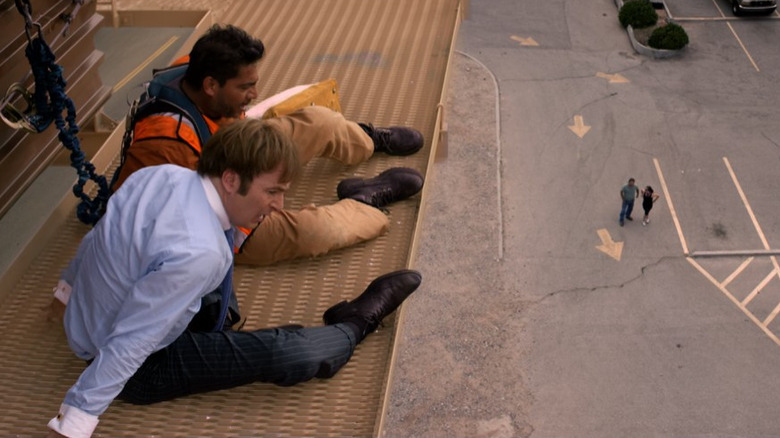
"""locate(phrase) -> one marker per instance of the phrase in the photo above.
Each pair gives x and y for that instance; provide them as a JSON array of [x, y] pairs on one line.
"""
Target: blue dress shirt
[[138, 277]]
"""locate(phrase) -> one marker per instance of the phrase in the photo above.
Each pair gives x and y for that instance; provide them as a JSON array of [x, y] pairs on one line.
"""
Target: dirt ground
[[456, 331]]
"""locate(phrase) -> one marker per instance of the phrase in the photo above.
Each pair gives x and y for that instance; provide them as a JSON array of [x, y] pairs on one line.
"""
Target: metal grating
[[390, 59]]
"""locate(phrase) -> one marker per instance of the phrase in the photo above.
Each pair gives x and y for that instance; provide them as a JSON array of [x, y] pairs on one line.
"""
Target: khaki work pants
[[313, 231]]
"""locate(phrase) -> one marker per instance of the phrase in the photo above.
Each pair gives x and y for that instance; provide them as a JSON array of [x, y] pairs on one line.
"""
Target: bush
[[637, 13], [669, 37]]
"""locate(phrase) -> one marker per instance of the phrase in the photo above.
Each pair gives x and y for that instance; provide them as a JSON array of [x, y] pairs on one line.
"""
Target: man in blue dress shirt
[[138, 277]]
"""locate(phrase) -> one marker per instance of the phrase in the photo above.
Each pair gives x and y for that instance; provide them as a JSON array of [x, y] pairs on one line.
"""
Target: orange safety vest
[[173, 126]]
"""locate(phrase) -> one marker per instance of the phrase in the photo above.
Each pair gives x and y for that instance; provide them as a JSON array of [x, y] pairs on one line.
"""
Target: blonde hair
[[249, 147]]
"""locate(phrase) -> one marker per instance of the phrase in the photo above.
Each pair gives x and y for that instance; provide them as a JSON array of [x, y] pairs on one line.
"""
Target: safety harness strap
[[164, 87], [163, 94]]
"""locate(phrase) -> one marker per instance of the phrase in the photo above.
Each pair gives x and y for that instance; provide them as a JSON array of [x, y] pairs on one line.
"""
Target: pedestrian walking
[[648, 199]]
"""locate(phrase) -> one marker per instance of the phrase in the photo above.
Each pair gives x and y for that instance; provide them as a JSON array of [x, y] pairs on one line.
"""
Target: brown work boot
[[380, 299], [395, 140], [395, 184]]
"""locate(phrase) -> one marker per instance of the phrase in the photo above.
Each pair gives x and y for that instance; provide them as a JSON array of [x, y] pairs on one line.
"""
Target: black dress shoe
[[380, 299], [395, 140], [389, 186], [629, 218]]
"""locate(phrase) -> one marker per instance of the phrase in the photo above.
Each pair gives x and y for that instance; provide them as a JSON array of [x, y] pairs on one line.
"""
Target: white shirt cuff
[[73, 422], [62, 292]]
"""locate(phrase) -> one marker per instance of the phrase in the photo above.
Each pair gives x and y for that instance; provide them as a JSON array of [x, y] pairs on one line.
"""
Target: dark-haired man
[[138, 278], [628, 194]]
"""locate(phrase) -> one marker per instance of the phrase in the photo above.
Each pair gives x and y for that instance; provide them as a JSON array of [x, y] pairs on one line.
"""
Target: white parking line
[[718, 8], [758, 288], [700, 19], [737, 271], [775, 272], [752, 215], [736, 302], [746, 203], [744, 49], [772, 315], [671, 206]]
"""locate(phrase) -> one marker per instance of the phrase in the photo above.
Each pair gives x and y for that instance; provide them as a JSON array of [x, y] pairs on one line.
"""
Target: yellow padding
[[325, 93]]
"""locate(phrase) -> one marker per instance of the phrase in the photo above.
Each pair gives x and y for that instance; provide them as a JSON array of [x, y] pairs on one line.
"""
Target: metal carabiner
[[11, 115], [25, 8], [28, 33]]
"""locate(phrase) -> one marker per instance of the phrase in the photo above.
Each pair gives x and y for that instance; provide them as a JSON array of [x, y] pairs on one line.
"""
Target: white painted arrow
[[525, 41], [609, 246], [616, 78], [579, 127]]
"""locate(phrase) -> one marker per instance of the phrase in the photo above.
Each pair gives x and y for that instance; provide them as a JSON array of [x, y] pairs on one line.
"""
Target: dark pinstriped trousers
[[199, 362]]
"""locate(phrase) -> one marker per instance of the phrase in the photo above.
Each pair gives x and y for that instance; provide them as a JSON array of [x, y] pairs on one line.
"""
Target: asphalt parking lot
[[753, 34], [542, 333]]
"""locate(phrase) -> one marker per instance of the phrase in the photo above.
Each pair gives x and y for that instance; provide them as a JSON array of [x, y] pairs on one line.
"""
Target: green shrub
[[669, 37], [637, 13]]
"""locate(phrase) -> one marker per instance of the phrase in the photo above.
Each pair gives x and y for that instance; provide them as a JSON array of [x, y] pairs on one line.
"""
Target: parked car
[[744, 7]]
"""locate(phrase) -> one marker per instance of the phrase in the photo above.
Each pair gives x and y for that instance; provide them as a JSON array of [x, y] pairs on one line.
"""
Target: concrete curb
[[649, 51]]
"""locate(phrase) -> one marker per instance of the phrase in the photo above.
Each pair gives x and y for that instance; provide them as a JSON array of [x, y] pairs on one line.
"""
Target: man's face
[[265, 195], [232, 98], [631, 183]]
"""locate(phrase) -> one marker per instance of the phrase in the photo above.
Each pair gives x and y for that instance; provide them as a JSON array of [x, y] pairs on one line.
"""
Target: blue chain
[[50, 102]]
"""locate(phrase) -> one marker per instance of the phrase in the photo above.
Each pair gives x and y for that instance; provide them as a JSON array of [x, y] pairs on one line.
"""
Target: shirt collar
[[216, 204]]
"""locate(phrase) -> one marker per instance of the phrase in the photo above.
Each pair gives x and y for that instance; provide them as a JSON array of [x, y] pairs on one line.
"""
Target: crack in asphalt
[[774, 143], [611, 286]]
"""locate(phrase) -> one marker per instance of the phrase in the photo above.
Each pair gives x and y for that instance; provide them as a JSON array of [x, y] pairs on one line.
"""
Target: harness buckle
[[11, 115]]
